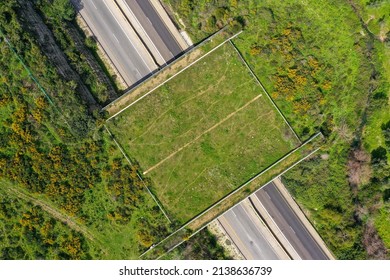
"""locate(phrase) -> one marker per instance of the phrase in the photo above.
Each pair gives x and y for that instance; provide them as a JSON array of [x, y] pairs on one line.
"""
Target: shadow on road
[[77, 4]]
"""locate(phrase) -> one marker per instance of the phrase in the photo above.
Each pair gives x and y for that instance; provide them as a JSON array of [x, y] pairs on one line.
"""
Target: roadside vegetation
[[327, 73], [60, 17], [202, 246]]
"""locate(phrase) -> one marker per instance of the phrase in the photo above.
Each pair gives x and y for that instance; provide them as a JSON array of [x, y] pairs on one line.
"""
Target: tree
[[380, 164], [386, 133]]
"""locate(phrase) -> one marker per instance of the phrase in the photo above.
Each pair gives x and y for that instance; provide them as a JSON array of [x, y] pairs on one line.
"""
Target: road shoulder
[[298, 211], [168, 22], [224, 240]]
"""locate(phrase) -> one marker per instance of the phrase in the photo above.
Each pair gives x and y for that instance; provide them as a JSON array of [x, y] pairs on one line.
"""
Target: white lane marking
[[292, 230], [259, 230], [277, 227], [115, 37], [149, 21], [247, 254], [267, 195], [94, 5], [99, 25], [146, 33], [166, 26], [127, 36]]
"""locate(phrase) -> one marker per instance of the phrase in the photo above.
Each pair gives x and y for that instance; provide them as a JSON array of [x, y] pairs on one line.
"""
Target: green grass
[[334, 88], [373, 136], [325, 38], [203, 134], [280, 41], [117, 241], [377, 17], [111, 240], [224, 205], [29, 232], [382, 224]]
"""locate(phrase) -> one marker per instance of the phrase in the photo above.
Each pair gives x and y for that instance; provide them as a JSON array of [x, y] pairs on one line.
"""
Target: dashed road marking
[[115, 37], [94, 5], [120, 26]]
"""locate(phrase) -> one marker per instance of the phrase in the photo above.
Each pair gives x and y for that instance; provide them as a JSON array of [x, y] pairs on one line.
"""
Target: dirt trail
[[52, 211]]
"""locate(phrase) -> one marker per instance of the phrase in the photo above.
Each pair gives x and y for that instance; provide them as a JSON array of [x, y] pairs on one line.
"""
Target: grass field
[[203, 134], [304, 152]]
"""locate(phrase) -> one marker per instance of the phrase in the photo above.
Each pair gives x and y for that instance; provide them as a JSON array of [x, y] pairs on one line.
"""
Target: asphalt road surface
[[289, 223], [155, 27], [117, 39], [247, 235]]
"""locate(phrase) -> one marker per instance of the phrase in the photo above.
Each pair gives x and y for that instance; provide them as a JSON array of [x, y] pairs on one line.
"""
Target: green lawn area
[[203, 134]]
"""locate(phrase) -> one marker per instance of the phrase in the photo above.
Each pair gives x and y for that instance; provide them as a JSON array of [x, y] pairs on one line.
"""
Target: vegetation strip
[[170, 78]]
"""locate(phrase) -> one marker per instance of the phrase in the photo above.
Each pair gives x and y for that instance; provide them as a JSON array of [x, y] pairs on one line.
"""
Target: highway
[[118, 39], [155, 28], [289, 223], [250, 235]]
